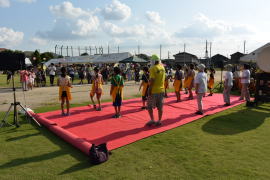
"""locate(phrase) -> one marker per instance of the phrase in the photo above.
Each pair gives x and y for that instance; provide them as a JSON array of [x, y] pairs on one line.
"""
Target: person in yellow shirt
[[156, 90], [145, 86], [97, 82], [64, 84]]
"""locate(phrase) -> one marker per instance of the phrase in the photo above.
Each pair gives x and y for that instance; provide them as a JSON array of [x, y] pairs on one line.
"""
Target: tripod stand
[[220, 84], [15, 112]]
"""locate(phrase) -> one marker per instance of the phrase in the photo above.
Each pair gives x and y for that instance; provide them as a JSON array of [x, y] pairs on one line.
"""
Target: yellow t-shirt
[[157, 72]]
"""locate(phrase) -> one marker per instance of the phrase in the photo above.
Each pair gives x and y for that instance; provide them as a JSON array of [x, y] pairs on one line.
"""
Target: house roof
[[237, 53], [182, 53]]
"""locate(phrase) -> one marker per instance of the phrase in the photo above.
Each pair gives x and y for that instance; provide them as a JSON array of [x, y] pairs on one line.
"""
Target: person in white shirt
[[228, 84], [200, 87], [245, 81], [52, 70]]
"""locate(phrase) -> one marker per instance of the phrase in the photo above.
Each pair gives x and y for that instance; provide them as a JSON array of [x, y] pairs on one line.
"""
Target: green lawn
[[3, 81], [233, 144]]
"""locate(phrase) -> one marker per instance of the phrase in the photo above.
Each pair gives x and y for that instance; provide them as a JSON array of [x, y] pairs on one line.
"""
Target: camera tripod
[[15, 111]]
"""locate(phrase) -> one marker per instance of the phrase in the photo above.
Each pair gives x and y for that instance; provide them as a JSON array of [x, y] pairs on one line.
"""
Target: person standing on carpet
[[166, 84], [97, 82], [200, 87], [228, 84], [245, 81], [117, 84], [64, 84], [190, 80], [211, 81], [145, 86], [179, 75], [156, 90]]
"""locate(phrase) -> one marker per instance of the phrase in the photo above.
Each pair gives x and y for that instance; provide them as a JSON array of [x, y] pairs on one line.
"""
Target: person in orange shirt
[[211, 81], [190, 80], [179, 75], [145, 86], [97, 82], [64, 84]]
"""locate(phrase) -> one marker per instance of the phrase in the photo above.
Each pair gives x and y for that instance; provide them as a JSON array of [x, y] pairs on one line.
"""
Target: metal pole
[[79, 49], [108, 49], [67, 50], [90, 50], [245, 47], [61, 50], [71, 51], [55, 49], [118, 49], [160, 52]]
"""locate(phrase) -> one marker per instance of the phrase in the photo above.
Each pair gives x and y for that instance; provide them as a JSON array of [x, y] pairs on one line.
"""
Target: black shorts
[[64, 94], [118, 100]]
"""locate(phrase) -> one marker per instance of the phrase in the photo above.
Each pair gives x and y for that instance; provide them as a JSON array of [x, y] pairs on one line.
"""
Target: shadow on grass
[[65, 149], [236, 122]]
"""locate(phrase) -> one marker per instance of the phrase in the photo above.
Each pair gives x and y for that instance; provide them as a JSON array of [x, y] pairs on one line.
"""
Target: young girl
[[117, 84], [145, 85], [97, 82], [211, 81], [166, 84], [178, 82], [190, 80], [186, 78], [64, 84]]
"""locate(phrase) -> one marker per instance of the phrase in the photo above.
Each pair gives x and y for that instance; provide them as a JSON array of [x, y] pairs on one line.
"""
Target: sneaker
[[68, 114], [227, 104], [98, 109], [158, 123], [115, 116], [199, 113], [150, 123], [63, 114]]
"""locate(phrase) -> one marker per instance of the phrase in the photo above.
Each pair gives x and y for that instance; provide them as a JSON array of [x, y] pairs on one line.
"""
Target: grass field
[[229, 145]]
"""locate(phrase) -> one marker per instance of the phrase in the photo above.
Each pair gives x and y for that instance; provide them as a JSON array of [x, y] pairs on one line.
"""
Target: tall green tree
[[46, 56], [35, 58]]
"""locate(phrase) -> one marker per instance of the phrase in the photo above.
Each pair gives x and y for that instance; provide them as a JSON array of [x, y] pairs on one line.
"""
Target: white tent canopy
[[253, 56], [104, 58]]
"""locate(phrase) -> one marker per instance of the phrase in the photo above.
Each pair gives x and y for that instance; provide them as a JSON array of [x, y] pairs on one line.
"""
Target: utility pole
[[79, 49], [108, 49], [61, 50], [118, 49], [184, 53], [168, 54], [160, 52], [210, 53], [71, 51], [67, 50], [90, 50], [55, 49], [244, 46], [138, 49]]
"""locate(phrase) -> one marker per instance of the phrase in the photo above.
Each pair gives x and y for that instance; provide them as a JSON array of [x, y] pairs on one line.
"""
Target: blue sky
[[40, 24]]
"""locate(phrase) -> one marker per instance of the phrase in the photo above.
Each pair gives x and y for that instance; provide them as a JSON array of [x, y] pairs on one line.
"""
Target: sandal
[[150, 123]]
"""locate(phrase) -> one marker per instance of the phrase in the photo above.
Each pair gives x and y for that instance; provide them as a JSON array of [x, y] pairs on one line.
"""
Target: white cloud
[[116, 11], [67, 10], [38, 41], [4, 3], [154, 17], [116, 31], [9, 37], [27, 1], [204, 27], [86, 27]]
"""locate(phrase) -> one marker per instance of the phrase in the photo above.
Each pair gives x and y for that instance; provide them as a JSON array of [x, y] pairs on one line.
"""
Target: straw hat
[[201, 67], [228, 67]]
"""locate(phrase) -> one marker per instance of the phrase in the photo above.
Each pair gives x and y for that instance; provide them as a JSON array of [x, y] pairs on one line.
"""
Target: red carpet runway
[[85, 126]]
